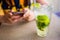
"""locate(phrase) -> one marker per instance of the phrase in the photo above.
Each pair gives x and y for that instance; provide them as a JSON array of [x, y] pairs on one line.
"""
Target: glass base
[[42, 33]]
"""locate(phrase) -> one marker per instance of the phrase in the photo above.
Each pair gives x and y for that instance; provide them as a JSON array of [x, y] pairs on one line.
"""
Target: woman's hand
[[28, 16], [10, 18]]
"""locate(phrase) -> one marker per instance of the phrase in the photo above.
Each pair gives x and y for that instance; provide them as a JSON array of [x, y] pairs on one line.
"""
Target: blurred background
[[55, 4]]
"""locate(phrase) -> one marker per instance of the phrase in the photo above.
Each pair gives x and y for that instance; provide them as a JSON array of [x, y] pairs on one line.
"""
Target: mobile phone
[[18, 13]]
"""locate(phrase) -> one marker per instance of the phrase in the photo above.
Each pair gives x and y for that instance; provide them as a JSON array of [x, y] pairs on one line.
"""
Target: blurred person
[[9, 17]]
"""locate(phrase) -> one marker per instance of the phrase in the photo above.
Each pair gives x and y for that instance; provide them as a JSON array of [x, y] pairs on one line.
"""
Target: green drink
[[42, 22]]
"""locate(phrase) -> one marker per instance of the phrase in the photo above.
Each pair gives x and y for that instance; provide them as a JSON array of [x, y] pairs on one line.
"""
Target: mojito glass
[[43, 17], [42, 22]]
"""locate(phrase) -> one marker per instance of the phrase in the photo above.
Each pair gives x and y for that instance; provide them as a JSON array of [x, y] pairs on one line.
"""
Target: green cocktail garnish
[[37, 5], [42, 21]]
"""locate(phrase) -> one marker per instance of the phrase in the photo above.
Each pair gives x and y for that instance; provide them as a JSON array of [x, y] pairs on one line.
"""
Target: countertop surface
[[27, 31]]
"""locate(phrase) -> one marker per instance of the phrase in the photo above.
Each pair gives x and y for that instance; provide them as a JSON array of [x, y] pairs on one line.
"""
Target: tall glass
[[43, 16]]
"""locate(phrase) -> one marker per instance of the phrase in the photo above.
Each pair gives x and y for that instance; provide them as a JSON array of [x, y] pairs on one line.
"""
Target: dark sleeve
[[17, 4], [4, 4], [27, 3], [0, 1]]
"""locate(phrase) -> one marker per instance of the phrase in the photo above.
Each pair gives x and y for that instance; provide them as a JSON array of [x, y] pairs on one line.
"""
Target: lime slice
[[42, 18], [42, 21], [37, 5]]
